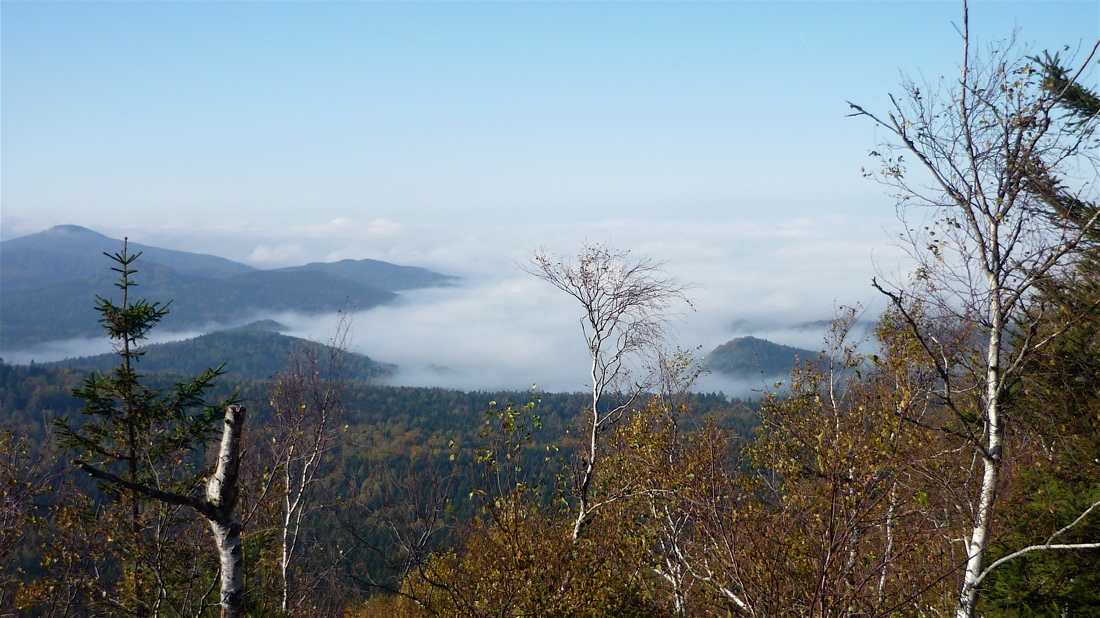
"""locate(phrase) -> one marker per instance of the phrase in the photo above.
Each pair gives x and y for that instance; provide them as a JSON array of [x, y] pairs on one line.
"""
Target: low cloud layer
[[501, 328]]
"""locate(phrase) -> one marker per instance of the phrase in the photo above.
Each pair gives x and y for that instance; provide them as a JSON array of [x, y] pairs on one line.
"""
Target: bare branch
[[627, 304]]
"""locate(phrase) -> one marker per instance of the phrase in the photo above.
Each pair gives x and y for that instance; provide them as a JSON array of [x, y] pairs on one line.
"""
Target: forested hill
[[251, 353], [378, 274], [749, 356], [66, 252], [49, 281]]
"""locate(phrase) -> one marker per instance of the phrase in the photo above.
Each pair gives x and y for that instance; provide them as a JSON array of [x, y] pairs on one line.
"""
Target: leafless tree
[[998, 164], [627, 304], [308, 403]]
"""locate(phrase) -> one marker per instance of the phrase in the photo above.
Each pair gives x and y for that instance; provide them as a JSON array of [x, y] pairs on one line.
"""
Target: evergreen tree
[[144, 446], [132, 429]]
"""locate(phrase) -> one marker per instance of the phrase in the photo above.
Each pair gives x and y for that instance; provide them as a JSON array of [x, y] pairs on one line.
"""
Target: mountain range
[[256, 351], [49, 281]]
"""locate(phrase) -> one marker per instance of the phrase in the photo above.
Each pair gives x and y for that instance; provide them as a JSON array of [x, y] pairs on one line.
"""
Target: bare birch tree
[[996, 160], [308, 402], [627, 304]]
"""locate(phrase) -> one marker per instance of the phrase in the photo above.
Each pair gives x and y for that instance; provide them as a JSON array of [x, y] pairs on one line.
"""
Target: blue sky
[[462, 135], [300, 112]]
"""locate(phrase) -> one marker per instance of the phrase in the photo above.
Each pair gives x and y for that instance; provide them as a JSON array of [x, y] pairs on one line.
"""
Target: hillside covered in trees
[[252, 352], [397, 455], [40, 274], [749, 356]]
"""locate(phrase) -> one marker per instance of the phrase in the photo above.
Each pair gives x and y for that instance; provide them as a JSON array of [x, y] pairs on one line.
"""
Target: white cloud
[[502, 328], [87, 346], [275, 256], [345, 228]]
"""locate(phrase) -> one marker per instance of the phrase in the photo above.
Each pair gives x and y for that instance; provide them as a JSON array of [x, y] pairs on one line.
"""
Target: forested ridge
[[945, 464], [248, 353], [749, 356], [41, 273]]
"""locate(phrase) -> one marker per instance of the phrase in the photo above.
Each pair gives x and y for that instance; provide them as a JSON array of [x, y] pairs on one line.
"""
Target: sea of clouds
[[499, 327]]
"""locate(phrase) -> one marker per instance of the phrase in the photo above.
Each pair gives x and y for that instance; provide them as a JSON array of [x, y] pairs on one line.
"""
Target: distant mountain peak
[[59, 233], [49, 281], [265, 325], [747, 356], [71, 229], [70, 234]]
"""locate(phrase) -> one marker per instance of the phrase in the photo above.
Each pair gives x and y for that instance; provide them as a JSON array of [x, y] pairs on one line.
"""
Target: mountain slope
[[49, 282], [66, 309], [749, 356], [377, 274], [67, 252], [252, 354]]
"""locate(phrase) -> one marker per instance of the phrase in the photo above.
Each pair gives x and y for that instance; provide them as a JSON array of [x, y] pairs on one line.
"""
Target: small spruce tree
[[143, 442]]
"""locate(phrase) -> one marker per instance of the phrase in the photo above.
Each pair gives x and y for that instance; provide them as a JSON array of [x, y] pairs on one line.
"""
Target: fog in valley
[[500, 328]]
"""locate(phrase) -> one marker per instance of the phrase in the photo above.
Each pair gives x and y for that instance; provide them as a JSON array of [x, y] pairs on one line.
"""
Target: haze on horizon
[[462, 136]]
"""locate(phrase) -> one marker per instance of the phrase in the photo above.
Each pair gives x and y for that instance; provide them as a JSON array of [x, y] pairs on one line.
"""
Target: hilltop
[[49, 281], [253, 352], [749, 356]]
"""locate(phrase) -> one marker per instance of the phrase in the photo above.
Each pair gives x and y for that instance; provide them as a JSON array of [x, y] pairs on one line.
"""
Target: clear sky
[[456, 112], [455, 134]]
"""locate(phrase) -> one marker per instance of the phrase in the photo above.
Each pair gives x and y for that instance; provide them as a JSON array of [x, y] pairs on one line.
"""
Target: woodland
[[948, 464]]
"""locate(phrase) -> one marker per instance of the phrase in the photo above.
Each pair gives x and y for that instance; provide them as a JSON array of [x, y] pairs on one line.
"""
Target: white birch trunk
[[991, 459], [221, 494], [284, 562], [217, 508], [593, 437], [995, 151]]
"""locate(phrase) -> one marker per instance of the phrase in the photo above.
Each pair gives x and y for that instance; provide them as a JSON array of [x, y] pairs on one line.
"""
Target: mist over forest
[[496, 327]]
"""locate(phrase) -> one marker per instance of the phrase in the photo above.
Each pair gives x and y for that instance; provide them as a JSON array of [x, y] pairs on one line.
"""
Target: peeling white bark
[[982, 159], [221, 494], [217, 508]]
